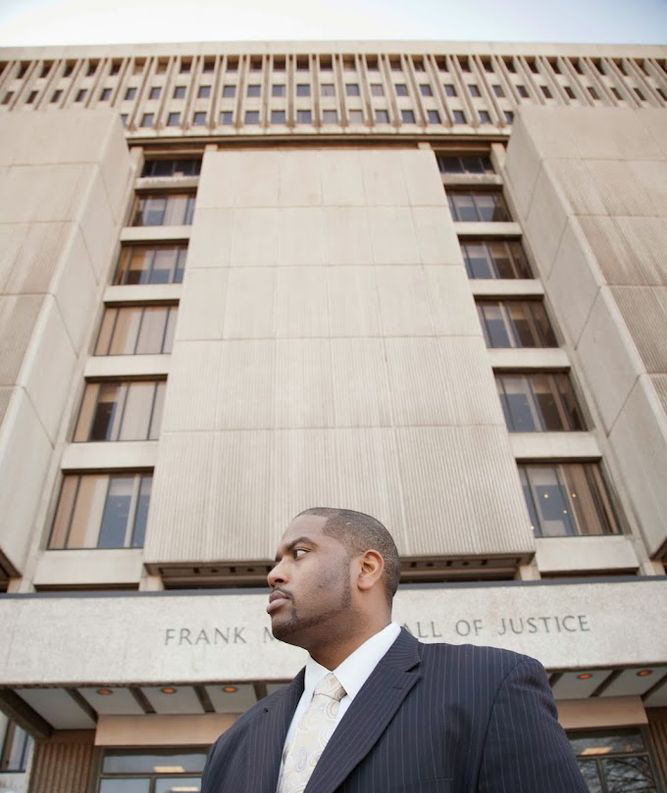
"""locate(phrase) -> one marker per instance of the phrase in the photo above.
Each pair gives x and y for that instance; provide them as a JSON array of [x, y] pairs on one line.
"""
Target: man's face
[[311, 587]]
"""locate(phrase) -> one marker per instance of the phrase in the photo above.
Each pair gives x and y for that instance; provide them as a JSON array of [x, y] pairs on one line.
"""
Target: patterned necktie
[[311, 736]]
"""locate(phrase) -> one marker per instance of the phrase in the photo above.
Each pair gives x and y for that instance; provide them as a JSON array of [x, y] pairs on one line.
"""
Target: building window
[[277, 116], [15, 750], [164, 209], [381, 117], [226, 118], [151, 264], [304, 116], [539, 402], [407, 117], [459, 117], [515, 323], [523, 92], [102, 511], [121, 411], [185, 67], [252, 117], [352, 89], [199, 119], [433, 117], [545, 91], [173, 119], [377, 89], [105, 95], [569, 92], [484, 117], [277, 89], [186, 167], [147, 120], [69, 68], [155, 92], [7, 98], [55, 96], [450, 90], [638, 93], [31, 97], [81, 95], [469, 163], [401, 89], [229, 91], [567, 499], [204, 91], [477, 206], [616, 94], [425, 89], [474, 90], [253, 89], [593, 93], [330, 116], [137, 330], [495, 259], [498, 91], [509, 116], [124, 119], [179, 92], [158, 772], [356, 117], [130, 93], [303, 89], [614, 761], [328, 89]]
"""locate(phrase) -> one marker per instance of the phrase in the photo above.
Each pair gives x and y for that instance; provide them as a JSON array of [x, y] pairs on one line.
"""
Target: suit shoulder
[[481, 657]]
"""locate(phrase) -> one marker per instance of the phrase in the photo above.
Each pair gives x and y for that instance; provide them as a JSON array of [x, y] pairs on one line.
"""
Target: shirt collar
[[353, 672]]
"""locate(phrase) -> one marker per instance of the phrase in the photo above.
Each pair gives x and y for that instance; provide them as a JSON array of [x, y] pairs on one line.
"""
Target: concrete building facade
[[422, 280]]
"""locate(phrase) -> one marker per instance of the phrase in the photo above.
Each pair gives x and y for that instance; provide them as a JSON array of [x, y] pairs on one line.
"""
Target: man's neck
[[332, 654]]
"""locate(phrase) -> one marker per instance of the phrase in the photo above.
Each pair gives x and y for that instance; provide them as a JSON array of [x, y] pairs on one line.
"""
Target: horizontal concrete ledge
[[506, 287], [161, 730], [155, 233], [89, 567], [470, 179], [525, 358], [585, 554], [110, 456], [161, 182], [554, 445], [143, 293], [487, 229], [126, 366], [577, 714]]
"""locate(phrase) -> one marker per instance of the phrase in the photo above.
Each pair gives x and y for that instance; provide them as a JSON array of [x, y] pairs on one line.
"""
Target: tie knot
[[330, 687]]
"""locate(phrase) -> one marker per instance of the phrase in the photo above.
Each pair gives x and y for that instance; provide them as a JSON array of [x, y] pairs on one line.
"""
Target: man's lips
[[276, 600]]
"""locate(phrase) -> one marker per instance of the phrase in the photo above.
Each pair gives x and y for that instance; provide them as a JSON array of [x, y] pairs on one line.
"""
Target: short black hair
[[360, 532]]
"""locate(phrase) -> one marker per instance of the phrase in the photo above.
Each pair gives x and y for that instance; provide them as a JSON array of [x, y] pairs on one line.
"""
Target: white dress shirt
[[352, 673]]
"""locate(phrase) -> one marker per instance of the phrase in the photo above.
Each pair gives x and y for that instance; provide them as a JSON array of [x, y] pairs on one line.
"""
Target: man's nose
[[276, 575]]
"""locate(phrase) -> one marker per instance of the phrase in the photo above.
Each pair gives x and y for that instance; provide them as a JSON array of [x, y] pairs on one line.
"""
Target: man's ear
[[371, 568]]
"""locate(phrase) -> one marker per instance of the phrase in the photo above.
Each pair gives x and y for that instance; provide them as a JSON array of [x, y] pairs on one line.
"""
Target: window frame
[[475, 194], [543, 339], [109, 326], [8, 749], [559, 390], [519, 266]]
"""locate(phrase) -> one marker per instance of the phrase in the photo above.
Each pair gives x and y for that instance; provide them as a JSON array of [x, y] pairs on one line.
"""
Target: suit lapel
[[268, 737], [368, 715]]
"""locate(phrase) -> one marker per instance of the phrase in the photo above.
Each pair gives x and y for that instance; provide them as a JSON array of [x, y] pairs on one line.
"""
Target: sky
[[48, 22]]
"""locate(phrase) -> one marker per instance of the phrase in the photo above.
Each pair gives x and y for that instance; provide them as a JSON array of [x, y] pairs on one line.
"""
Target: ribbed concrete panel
[[461, 492], [63, 767], [347, 237], [29, 254], [436, 382], [18, 314], [246, 386], [452, 307], [301, 236], [393, 235], [299, 179], [250, 298], [384, 182], [422, 178], [436, 237], [360, 383], [660, 384], [647, 237], [354, 308], [301, 307], [194, 380], [405, 303], [370, 478], [204, 297], [646, 317], [254, 236], [304, 383], [210, 243]]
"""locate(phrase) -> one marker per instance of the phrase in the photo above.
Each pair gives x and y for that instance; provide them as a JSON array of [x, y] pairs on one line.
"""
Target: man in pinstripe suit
[[406, 716]]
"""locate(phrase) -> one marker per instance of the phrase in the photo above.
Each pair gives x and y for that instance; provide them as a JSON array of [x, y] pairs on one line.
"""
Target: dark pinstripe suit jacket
[[431, 718]]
